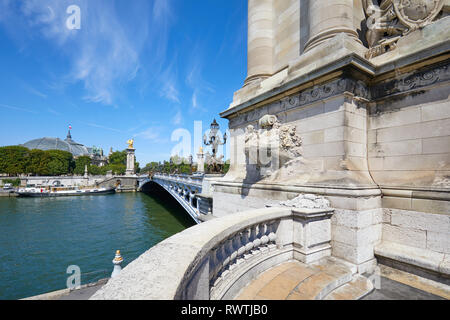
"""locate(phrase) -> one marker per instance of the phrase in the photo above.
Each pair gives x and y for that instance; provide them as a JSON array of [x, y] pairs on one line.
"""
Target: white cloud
[[7, 106], [195, 80], [170, 92], [103, 54], [178, 118], [34, 91], [95, 125], [152, 134]]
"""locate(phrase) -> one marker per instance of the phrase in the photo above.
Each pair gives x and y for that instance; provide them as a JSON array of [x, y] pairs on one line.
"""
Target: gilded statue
[[130, 144]]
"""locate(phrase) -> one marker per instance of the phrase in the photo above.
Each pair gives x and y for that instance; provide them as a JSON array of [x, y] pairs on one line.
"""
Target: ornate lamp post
[[214, 141], [191, 161]]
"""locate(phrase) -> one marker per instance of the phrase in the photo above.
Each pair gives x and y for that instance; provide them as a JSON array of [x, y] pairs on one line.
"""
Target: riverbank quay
[[8, 193], [82, 293]]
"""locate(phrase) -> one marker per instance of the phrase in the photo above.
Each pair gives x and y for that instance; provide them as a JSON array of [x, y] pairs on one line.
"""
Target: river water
[[41, 237]]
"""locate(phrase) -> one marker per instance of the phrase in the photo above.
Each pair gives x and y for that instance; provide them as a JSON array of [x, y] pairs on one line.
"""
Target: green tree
[[117, 169], [37, 162], [14, 182], [96, 170], [80, 164], [150, 167], [13, 159], [118, 157], [61, 162]]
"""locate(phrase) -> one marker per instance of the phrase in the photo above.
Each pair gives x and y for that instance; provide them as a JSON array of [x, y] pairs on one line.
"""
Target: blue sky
[[135, 69]]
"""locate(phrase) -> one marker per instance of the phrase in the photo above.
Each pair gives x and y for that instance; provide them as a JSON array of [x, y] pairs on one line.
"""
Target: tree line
[[16, 160], [176, 164]]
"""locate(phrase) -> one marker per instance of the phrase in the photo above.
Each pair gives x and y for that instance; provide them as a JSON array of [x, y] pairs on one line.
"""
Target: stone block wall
[[355, 234], [409, 140], [417, 229]]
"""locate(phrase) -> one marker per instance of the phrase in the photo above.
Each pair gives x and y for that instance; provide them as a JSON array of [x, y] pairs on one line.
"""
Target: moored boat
[[62, 191]]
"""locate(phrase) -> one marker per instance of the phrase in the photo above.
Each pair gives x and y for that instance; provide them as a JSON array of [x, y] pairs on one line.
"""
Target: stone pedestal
[[200, 162], [130, 161], [312, 234]]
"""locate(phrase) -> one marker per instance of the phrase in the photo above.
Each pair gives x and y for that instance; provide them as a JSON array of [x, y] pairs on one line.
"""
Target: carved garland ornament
[[388, 20]]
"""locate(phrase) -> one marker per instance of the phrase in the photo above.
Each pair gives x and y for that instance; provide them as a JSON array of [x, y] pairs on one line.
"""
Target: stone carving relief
[[414, 81], [290, 143], [388, 20], [319, 92], [271, 146], [303, 201]]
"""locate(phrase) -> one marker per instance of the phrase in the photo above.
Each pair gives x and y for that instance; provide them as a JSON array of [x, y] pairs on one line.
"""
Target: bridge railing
[[184, 190], [180, 178], [216, 259]]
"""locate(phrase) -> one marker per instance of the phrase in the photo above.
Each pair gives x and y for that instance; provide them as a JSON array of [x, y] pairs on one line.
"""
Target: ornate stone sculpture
[[272, 146], [303, 201], [388, 20], [290, 142]]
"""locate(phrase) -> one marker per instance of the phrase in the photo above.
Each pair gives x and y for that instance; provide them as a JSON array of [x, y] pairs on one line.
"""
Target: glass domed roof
[[68, 144]]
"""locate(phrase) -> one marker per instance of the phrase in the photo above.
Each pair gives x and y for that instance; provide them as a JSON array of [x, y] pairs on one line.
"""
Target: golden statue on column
[[130, 144]]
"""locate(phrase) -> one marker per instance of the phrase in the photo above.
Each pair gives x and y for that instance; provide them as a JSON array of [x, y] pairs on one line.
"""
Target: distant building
[[75, 148]]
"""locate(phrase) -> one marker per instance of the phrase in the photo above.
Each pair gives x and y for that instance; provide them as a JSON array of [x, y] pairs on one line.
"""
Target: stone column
[[327, 18], [200, 161], [130, 161], [260, 40]]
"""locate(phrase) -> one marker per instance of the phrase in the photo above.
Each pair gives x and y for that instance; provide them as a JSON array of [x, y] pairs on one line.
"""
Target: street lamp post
[[214, 141], [191, 161]]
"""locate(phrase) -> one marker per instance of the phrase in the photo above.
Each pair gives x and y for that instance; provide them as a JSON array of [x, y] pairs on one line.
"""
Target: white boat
[[50, 191]]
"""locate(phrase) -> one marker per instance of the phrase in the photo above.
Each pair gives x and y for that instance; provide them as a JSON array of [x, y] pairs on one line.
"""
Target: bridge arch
[[183, 189]]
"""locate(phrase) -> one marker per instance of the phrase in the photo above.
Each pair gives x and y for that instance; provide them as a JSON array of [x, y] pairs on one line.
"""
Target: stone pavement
[[400, 285], [298, 281]]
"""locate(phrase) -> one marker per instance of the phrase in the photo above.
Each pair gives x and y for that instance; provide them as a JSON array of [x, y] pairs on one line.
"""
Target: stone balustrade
[[216, 259]]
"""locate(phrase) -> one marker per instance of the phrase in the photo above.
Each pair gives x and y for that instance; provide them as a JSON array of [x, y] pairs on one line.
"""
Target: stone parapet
[[216, 259]]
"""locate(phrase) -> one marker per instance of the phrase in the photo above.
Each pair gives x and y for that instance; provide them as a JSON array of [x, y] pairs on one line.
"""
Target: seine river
[[41, 237]]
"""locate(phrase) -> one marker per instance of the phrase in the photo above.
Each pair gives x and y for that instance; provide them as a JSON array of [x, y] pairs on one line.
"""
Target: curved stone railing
[[216, 259]]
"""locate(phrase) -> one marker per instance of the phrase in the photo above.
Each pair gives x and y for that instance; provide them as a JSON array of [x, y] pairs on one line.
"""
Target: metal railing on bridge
[[184, 189]]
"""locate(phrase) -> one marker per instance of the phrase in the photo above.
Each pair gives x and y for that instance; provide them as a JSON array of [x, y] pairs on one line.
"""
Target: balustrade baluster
[[257, 241], [235, 247], [264, 237], [218, 267], [272, 235], [228, 249], [252, 236], [241, 250], [213, 262]]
